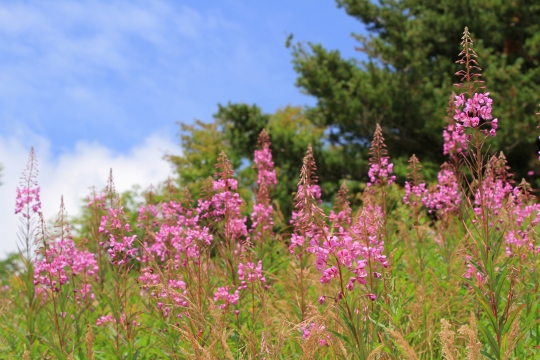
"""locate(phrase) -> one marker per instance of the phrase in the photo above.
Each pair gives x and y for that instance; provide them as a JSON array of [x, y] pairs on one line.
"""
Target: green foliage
[[8, 267], [241, 125], [201, 145], [235, 130], [407, 80]]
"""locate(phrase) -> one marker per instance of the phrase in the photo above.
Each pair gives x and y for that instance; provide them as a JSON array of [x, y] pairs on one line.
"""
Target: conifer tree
[[408, 77]]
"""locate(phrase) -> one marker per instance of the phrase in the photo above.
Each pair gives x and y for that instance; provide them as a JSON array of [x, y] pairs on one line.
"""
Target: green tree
[[406, 82], [235, 130], [201, 144]]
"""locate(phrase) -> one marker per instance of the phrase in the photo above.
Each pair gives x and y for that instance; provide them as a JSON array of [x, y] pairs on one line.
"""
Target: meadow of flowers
[[425, 271]]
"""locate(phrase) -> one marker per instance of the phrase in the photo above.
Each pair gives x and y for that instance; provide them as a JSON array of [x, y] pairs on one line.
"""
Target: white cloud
[[85, 36], [102, 62], [71, 174]]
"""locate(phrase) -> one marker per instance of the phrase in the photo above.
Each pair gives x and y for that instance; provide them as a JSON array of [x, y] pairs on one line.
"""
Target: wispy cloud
[[73, 174], [89, 65], [87, 34]]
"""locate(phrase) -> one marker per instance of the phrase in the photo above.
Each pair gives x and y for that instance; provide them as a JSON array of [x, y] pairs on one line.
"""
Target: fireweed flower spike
[[28, 203], [445, 198], [63, 262], [380, 177], [309, 226], [120, 245], [349, 254], [495, 188], [250, 272], [305, 202], [266, 175], [415, 189], [179, 236], [356, 250], [500, 281], [473, 110], [225, 203], [341, 219], [315, 329], [521, 237], [380, 169], [454, 136], [266, 180]]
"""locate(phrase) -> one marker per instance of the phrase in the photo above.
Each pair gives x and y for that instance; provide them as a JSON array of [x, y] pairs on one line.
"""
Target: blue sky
[[115, 71], [101, 84]]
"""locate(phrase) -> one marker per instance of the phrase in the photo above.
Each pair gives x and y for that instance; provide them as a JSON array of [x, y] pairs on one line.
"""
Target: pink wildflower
[[320, 330], [474, 112], [225, 203], [28, 200], [446, 197], [472, 109], [455, 140], [180, 237], [266, 175], [105, 320], [250, 272], [416, 192], [62, 262], [114, 226], [525, 216], [380, 169], [222, 294]]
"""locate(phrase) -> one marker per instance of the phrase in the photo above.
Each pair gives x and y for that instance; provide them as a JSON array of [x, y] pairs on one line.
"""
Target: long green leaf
[[511, 318], [490, 315], [341, 336], [491, 340]]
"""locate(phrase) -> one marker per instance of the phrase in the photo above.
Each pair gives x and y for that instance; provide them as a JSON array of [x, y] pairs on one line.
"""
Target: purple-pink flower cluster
[[262, 220], [494, 193], [474, 112], [225, 204], [380, 168], [28, 192], [380, 172], [175, 294], [455, 140], [524, 218], [222, 294], [119, 246], [357, 250], [104, 320], [307, 331], [96, 201], [29, 197], [303, 227], [261, 215], [179, 235], [265, 167], [414, 193], [472, 270], [62, 261], [249, 272], [446, 197]]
